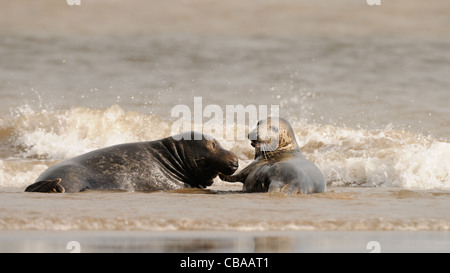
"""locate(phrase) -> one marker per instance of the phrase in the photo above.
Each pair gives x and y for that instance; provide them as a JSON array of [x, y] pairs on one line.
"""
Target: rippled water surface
[[365, 88]]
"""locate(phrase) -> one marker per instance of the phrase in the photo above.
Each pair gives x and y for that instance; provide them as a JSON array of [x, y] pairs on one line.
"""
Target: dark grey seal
[[279, 165], [188, 160]]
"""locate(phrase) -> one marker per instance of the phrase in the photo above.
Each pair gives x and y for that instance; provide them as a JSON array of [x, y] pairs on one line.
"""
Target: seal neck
[[172, 158], [184, 168]]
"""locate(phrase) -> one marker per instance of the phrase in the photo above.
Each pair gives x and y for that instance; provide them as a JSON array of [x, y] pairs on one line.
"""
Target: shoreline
[[338, 209]]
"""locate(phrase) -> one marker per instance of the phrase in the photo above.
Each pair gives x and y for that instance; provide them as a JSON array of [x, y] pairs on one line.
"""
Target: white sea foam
[[15, 173], [346, 156], [374, 158], [65, 134]]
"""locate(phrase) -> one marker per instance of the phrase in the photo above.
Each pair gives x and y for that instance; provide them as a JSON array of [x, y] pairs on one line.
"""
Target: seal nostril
[[234, 163]]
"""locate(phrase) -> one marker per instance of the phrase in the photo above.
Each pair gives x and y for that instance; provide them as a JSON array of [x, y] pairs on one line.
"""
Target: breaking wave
[[33, 140]]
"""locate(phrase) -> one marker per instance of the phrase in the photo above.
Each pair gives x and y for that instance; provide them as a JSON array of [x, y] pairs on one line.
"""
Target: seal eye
[[275, 129], [213, 144]]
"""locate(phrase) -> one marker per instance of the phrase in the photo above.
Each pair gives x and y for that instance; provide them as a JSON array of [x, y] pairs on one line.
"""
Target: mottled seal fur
[[279, 165], [188, 160]]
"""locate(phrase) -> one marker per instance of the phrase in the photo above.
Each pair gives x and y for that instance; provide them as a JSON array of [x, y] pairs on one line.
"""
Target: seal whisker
[[265, 151]]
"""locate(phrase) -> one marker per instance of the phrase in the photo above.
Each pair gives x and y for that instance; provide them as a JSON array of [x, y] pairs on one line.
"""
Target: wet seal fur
[[187, 160], [279, 165]]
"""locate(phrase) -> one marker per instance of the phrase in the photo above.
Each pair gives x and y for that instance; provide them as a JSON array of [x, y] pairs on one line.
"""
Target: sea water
[[366, 89]]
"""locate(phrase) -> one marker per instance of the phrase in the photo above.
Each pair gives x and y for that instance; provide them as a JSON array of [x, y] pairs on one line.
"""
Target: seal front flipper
[[291, 187], [241, 176], [276, 186], [46, 186], [229, 178], [285, 188]]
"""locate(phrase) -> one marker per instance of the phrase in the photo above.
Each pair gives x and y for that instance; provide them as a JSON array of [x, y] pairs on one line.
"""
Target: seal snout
[[234, 164], [254, 143], [253, 137]]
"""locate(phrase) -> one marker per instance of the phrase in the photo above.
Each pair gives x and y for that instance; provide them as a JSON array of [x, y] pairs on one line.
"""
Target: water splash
[[34, 140]]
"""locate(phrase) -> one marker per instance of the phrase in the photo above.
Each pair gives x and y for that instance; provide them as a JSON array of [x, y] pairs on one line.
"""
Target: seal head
[[272, 136], [203, 157]]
